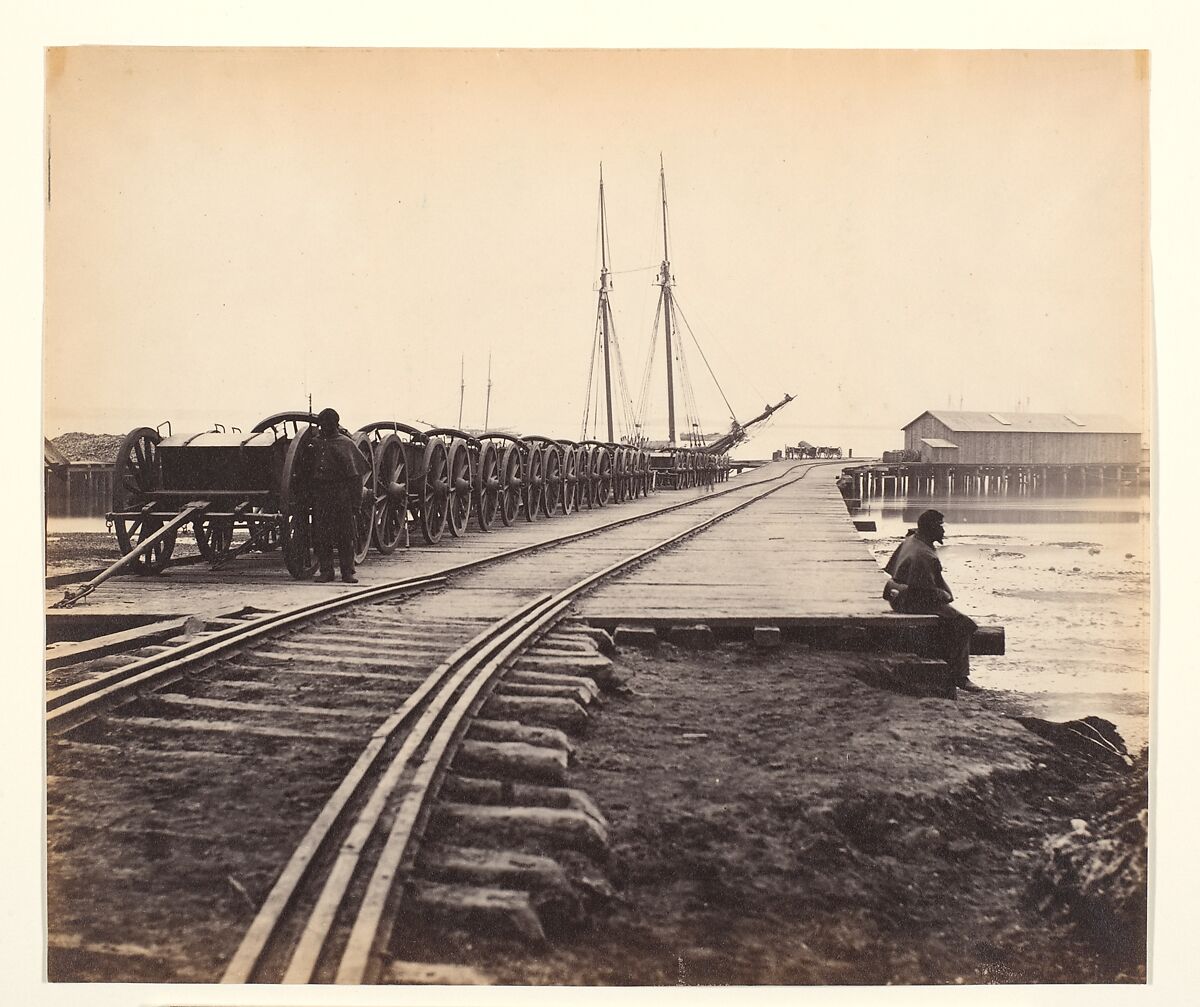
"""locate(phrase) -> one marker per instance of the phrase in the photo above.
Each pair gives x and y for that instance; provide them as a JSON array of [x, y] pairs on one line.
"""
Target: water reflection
[[1060, 510]]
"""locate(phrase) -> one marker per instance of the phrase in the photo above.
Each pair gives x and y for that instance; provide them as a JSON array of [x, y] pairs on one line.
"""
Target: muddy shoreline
[[775, 820]]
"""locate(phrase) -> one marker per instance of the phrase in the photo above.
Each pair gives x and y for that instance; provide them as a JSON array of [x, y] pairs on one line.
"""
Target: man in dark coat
[[337, 468], [917, 587]]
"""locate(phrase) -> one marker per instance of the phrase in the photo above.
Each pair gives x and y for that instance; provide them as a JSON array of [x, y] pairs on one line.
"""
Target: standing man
[[916, 587], [337, 471]]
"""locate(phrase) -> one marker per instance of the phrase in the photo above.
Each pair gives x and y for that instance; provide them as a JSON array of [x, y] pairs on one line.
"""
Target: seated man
[[916, 587]]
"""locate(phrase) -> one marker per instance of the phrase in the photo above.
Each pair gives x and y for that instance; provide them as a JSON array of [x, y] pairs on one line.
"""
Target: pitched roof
[[54, 459], [1042, 423]]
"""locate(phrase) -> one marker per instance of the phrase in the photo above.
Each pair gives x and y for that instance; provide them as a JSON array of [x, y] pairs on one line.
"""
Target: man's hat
[[930, 520], [328, 418]]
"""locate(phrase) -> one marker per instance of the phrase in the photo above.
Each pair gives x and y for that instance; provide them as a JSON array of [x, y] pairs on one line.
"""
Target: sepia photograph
[[597, 517]]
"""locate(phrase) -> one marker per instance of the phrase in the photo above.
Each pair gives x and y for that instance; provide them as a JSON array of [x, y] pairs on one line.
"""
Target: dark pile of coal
[[80, 447]]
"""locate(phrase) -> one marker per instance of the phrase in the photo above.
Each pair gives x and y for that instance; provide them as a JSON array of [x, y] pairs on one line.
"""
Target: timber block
[[565, 713], [594, 666], [864, 525], [581, 695], [913, 676], [513, 760], [474, 790], [504, 868], [493, 826], [435, 974], [600, 637], [988, 640], [495, 910], [548, 678], [513, 730], [636, 636], [767, 637], [695, 637]]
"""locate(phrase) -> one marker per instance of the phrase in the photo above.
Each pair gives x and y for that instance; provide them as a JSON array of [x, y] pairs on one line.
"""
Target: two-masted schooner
[[677, 459]]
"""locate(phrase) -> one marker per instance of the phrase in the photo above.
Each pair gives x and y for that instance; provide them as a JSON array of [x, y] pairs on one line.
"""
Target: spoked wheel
[[435, 490], [136, 476], [534, 474], [511, 484], [570, 482], [621, 475], [364, 514], [265, 534], [602, 476], [295, 506], [459, 461], [391, 484], [583, 473], [487, 486], [214, 537], [552, 474]]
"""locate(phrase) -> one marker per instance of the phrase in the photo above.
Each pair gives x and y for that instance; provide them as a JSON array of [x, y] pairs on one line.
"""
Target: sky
[[875, 232]]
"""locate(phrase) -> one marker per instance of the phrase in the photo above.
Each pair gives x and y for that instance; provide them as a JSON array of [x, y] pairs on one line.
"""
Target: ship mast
[[462, 386], [603, 308], [487, 406], [665, 304]]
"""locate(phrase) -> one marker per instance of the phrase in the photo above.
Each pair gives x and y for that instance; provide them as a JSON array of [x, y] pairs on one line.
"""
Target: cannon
[[240, 493]]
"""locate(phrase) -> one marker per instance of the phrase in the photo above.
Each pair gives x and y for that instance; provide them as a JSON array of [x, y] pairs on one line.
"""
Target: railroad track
[[175, 784]]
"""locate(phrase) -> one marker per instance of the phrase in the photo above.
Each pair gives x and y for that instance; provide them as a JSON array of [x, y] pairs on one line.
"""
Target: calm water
[[1068, 578]]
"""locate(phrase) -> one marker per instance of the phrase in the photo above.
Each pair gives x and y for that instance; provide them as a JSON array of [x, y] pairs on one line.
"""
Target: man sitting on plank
[[916, 587]]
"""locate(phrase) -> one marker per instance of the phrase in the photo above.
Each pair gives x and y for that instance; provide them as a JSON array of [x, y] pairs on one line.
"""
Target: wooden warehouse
[[969, 438]]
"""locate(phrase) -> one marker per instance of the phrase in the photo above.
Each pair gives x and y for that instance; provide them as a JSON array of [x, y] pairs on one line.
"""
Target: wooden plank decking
[[793, 559]]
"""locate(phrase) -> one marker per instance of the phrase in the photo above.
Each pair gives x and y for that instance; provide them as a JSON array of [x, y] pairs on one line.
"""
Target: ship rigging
[[630, 422]]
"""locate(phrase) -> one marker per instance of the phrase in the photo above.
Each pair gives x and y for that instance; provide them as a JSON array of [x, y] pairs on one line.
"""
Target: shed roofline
[[927, 412]]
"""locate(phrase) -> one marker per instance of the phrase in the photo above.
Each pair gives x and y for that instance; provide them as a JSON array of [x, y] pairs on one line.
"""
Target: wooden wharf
[[260, 582], [893, 479], [793, 561]]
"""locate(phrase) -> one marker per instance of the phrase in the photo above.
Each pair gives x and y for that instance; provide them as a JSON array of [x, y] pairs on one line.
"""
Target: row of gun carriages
[[242, 493]]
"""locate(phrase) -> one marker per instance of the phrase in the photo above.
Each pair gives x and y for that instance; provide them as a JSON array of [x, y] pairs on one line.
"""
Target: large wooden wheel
[[535, 485], [461, 486], [364, 513], [214, 537], [552, 474], [511, 484], [602, 475], [583, 466], [570, 480], [295, 507], [434, 490], [487, 486], [391, 486], [618, 469], [136, 475]]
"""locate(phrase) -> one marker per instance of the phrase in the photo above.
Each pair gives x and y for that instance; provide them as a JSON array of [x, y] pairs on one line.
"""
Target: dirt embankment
[[775, 820]]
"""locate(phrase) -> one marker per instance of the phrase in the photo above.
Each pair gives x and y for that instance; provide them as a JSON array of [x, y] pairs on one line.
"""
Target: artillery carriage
[[240, 493]]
